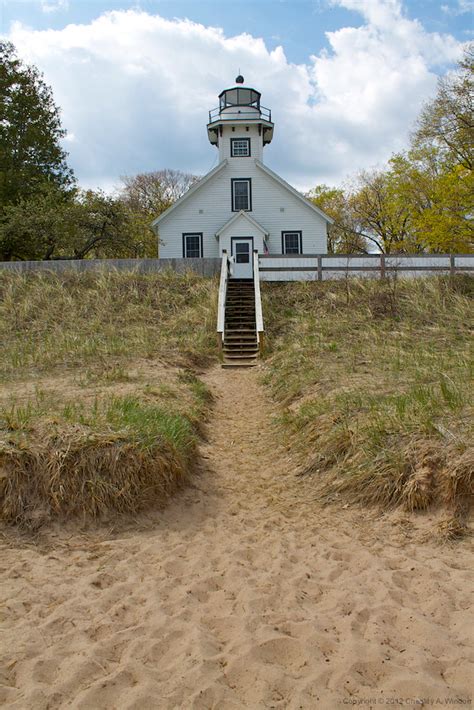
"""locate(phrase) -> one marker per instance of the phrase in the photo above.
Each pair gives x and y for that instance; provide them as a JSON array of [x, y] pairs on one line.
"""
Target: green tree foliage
[[424, 200], [30, 132], [439, 200], [447, 122], [147, 195], [382, 217], [344, 236], [79, 225]]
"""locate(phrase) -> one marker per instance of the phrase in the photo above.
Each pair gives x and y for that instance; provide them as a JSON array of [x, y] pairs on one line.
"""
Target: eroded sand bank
[[242, 594]]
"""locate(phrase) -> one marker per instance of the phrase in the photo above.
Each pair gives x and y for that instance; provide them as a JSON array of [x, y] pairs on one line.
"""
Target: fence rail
[[322, 267], [203, 267], [276, 267]]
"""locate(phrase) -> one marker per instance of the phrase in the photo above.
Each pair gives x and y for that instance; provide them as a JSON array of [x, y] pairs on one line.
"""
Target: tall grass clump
[[52, 320], [100, 404], [375, 382], [93, 460]]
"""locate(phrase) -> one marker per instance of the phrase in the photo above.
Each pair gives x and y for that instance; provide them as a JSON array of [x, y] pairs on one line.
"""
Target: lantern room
[[239, 109]]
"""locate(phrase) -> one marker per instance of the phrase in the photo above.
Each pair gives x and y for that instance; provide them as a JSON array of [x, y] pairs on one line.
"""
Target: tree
[[424, 200], [30, 132], [147, 195], [107, 228], [343, 237], [37, 227], [379, 213], [75, 225], [152, 193], [447, 122]]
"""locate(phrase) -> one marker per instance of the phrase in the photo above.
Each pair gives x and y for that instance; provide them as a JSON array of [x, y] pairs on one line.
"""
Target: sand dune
[[242, 594]]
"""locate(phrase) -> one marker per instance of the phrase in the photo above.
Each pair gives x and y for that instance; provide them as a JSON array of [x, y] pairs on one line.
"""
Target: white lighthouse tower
[[241, 206], [240, 126]]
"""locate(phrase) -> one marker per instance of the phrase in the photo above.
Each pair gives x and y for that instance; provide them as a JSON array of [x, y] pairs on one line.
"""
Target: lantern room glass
[[239, 97]]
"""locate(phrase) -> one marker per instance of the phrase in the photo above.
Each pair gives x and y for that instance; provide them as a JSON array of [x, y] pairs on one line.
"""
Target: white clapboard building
[[241, 206]]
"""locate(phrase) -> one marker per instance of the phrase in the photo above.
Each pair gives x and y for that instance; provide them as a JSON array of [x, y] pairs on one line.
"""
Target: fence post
[[320, 267], [382, 266], [452, 265]]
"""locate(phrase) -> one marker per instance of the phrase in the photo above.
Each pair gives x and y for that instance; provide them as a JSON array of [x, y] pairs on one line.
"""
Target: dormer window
[[240, 147]]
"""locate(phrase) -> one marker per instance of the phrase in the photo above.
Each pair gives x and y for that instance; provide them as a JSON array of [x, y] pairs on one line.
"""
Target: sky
[[345, 79]]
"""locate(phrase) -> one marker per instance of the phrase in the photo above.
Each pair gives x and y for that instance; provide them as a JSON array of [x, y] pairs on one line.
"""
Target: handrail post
[[258, 301], [221, 300]]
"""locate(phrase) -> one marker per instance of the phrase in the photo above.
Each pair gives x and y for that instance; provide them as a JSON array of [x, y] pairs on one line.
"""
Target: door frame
[[242, 239]]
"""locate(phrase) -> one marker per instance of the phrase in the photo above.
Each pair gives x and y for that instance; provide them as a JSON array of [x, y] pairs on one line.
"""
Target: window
[[291, 242], [192, 245], [241, 194], [239, 147], [242, 253]]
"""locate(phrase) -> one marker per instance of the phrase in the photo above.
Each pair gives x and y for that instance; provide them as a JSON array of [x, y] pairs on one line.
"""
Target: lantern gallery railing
[[245, 113]]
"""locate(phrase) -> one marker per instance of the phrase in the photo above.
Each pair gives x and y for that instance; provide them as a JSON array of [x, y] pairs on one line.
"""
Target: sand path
[[242, 594]]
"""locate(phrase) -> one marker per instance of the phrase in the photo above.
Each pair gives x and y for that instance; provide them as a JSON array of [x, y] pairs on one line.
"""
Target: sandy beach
[[243, 593]]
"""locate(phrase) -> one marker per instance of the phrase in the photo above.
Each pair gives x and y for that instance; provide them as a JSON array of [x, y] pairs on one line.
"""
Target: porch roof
[[242, 215]]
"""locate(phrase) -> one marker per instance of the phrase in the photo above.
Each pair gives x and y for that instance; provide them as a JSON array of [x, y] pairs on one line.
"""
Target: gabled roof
[[243, 215], [190, 192], [297, 194]]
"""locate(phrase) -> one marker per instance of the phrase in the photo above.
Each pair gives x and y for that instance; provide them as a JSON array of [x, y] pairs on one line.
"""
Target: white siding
[[256, 142], [269, 198]]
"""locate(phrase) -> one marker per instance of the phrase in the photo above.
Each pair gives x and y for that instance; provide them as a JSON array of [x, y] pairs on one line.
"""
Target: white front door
[[242, 252]]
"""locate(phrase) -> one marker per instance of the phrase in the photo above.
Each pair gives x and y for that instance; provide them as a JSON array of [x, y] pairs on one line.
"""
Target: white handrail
[[258, 299], [222, 292]]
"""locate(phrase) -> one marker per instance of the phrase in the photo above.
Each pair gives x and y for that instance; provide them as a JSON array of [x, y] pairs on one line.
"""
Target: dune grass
[[73, 319], [101, 408], [375, 381]]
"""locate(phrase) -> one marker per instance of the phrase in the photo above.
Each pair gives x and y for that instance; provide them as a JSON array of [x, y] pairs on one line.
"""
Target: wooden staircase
[[240, 344]]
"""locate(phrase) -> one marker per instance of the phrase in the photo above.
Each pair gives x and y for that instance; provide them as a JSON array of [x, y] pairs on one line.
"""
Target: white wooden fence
[[277, 267], [322, 267]]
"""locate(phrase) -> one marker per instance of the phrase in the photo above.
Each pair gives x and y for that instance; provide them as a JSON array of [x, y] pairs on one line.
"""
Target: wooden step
[[240, 344], [235, 365], [239, 338], [240, 319], [237, 357], [241, 347], [241, 333]]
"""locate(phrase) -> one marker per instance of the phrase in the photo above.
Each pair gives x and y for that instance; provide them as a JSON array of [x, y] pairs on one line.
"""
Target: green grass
[[375, 383], [117, 410], [73, 319]]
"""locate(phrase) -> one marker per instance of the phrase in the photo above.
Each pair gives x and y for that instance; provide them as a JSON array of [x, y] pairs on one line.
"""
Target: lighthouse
[[241, 206]]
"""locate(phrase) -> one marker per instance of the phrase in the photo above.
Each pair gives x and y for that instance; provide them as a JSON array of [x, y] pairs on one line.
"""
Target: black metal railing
[[244, 114]]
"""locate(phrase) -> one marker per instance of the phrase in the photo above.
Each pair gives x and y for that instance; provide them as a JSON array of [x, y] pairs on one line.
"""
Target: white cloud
[[135, 90], [49, 6], [459, 7]]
